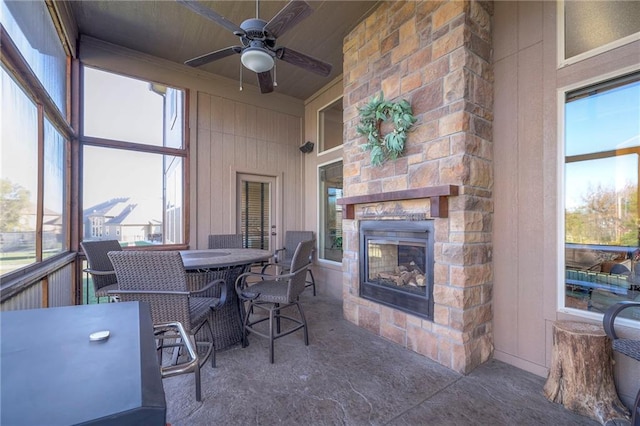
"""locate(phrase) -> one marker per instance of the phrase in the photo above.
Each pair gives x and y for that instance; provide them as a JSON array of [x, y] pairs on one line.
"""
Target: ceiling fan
[[258, 37]]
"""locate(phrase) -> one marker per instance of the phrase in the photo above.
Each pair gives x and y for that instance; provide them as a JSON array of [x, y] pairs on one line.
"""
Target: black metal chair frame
[[628, 347], [180, 339], [99, 266], [283, 256], [274, 302]]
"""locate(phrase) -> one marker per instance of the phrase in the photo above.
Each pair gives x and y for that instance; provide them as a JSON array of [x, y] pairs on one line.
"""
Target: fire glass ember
[[396, 262]]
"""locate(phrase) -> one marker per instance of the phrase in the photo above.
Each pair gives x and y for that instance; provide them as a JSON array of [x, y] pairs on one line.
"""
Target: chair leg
[[635, 416], [271, 337], [313, 281], [176, 352], [277, 316], [159, 351], [197, 374], [245, 324], [210, 345], [213, 345], [304, 322]]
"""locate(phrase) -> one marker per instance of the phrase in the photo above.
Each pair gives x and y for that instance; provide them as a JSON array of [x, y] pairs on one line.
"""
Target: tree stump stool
[[581, 374]]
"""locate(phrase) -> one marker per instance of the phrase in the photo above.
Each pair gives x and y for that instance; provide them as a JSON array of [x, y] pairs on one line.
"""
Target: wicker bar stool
[[628, 347], [159, 278], [275, 293]]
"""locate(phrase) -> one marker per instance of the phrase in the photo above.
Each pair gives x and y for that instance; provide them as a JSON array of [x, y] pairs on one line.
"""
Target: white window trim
[[320, 209], [561, 96], [563, 62], [321, 142]]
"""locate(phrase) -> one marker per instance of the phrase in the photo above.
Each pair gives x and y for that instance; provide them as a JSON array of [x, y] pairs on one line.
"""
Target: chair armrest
[[242, 278], [611, 314], [96, 272], [175, 293], [263, 276], [265, 267], [223, 291], [241, 286], [276, 256]]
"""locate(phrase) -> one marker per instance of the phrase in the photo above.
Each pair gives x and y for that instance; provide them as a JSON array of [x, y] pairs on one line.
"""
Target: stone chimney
[[436, 55]]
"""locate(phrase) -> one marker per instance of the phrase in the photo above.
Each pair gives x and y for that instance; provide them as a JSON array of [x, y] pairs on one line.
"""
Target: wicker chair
[[628, 347], [283, 256], [218, 241], [159, 279], [100, 268], [275, 293]]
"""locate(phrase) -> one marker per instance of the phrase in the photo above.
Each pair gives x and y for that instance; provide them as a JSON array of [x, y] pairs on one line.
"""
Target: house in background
[[125, 221], [96, 217], [503, 93]]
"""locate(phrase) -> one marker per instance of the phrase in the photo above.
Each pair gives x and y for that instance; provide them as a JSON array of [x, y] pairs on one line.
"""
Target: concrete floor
[[348, 376]]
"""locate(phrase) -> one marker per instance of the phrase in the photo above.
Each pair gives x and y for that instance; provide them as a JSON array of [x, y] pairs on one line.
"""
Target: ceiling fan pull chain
[[241, 77], [275, 81]]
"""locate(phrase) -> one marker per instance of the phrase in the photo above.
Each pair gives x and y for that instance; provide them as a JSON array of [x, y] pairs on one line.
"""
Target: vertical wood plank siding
[[234, 136]]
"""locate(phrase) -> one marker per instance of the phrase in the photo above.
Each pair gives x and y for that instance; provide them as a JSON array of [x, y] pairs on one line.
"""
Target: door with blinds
[[256, 202]]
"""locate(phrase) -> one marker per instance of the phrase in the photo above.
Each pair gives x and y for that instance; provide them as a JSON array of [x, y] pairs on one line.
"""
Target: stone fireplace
[[436, 55]]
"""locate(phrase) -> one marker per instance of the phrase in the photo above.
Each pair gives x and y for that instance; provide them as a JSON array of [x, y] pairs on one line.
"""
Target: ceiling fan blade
[[213, 56], [304, 61], [288, 17], [265, 82], [210, 14]]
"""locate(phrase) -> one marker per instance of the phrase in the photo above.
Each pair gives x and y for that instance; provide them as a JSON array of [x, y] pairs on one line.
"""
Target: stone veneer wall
[[437, 55]]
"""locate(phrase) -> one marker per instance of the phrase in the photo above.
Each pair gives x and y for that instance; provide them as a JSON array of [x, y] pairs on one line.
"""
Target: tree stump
[[581, 374]]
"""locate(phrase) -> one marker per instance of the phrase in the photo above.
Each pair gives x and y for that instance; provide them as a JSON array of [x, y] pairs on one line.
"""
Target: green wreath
[[372, 115]]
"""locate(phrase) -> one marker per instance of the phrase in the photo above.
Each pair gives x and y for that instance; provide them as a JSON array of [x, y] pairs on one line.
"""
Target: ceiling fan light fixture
[[257, 60]]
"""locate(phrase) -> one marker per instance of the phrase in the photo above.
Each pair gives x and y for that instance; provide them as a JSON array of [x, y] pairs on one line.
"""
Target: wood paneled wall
[[235, 137], [527, 246]]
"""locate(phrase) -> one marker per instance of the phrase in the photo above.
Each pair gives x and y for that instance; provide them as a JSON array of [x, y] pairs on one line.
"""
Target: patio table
[[53, 374], [204, 266]]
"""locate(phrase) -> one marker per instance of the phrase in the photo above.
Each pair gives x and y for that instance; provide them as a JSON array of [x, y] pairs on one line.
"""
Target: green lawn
[[10, 261]]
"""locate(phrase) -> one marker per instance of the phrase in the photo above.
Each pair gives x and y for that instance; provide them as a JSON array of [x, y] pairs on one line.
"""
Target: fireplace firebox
[[396, 264]]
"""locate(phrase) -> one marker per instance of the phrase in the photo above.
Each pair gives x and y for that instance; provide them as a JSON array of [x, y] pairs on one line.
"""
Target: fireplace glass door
[[396, 264]]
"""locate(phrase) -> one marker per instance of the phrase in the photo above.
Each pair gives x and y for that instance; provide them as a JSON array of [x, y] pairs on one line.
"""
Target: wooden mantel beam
[[437, 194]]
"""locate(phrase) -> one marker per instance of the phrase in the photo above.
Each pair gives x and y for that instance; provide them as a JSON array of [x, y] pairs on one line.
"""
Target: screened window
[[31, 29], [34, 138], [602, 226], [54, 227], [330, 212], [19, 183], [133, 160]]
